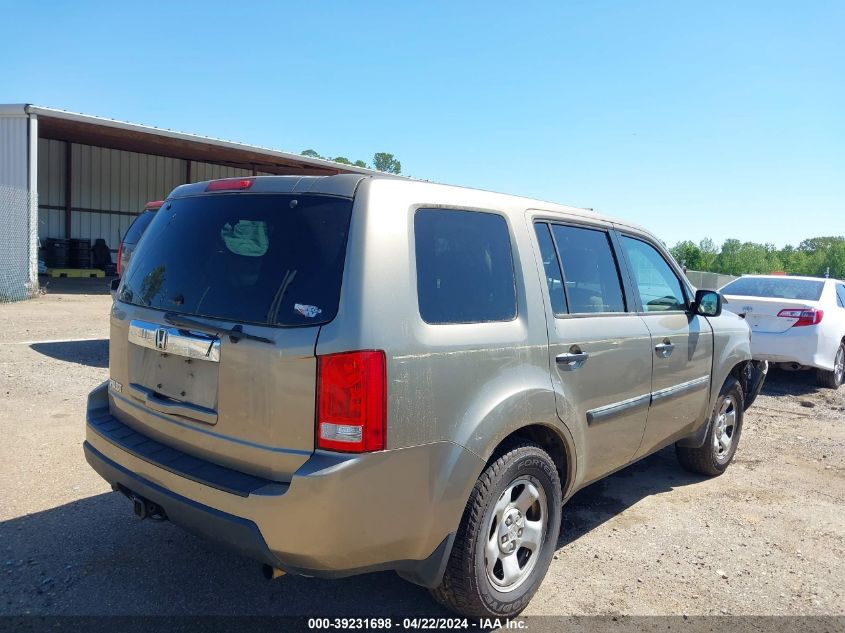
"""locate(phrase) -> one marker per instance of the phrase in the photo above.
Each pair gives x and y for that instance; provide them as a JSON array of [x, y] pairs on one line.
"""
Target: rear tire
[[507, 535], [833, 379], [713, 457]]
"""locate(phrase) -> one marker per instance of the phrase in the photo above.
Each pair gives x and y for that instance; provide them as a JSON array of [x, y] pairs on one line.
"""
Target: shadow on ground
[[603, 500], [92, 353], [94, 557], [790, 383], [75, 286]]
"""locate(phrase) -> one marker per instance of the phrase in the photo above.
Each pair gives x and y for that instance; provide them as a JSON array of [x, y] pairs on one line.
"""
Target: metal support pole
[[68, 187]]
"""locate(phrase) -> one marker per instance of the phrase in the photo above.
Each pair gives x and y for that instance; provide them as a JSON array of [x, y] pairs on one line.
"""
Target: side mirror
[[707, 303], [113, 286]]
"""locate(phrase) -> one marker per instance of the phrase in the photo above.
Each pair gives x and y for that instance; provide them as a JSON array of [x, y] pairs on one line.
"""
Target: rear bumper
[[796, 345], [339, 515]]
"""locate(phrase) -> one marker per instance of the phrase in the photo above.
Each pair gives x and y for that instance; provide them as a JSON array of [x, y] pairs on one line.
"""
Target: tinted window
[[551, 266], [464, 267], [840, 295], [257, 258], [589, 269], [659, 288], [137, 228], [775, 287]]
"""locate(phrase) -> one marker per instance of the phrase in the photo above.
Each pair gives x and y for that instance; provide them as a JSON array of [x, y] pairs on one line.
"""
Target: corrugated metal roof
[[182, 136]]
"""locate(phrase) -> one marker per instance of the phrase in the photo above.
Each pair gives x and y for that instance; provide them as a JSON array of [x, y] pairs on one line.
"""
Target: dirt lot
[[765, 538]]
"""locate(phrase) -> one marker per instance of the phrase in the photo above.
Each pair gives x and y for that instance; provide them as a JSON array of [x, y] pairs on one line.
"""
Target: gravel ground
[[765, 538]]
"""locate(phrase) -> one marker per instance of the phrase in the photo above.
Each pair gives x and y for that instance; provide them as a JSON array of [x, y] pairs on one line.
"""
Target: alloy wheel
[[725, 428]]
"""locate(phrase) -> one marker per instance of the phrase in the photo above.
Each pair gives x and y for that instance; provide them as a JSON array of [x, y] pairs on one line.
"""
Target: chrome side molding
[[171, 340]]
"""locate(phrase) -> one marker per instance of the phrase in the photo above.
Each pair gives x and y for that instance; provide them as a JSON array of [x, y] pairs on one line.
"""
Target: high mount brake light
[[229, 184], [808, 316], [351, 402]]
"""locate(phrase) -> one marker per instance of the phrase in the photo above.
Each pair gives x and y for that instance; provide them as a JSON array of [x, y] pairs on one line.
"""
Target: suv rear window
[[269, 259], [464, 267], [778, 288], [137, 228]]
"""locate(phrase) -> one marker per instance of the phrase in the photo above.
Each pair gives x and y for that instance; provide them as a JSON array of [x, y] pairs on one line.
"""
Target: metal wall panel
[[114, 182], [18, 278], [14, 151], [51, 188], [51, 172], [209, 171]]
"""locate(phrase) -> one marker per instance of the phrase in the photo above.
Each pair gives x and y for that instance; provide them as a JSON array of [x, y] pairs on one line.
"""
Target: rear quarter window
[[464, 267]]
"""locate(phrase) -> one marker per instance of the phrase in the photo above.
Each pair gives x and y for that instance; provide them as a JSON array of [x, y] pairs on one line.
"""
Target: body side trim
[[680, 389], [602, 414]]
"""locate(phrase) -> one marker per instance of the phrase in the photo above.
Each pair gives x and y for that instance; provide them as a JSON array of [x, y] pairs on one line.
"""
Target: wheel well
[[738, 372], [550, 441]]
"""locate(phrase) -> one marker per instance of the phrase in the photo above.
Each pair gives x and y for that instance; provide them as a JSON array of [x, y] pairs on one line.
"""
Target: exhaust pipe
[[271, 573]]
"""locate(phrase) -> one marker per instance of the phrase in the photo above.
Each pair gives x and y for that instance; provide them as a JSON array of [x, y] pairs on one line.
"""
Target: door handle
[[664, 349], [572, 360]]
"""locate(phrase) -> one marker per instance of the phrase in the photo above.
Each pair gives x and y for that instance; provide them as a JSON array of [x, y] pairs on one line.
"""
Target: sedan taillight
[[806, 316]]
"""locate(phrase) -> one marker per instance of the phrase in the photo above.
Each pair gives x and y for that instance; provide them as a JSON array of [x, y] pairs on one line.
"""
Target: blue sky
[[695, 119]]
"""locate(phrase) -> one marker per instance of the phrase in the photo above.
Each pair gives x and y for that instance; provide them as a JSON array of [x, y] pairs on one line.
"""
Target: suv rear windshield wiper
[[235, 334]]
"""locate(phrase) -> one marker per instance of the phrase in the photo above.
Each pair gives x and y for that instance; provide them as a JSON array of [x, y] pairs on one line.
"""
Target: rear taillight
[[119, 257], [230, 183], [351, 402], [808, 316]]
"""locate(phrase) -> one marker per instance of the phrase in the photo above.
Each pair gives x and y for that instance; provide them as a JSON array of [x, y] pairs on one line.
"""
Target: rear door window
[[268, 259], [591, 275], [464, 267], [551, 266]]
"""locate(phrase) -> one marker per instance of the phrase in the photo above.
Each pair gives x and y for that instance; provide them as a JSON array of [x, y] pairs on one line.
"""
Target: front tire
[[719, 448], [507, 535], [832, 379]]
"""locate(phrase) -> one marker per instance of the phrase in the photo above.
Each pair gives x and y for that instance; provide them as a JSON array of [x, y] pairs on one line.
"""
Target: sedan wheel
[[834, 378]]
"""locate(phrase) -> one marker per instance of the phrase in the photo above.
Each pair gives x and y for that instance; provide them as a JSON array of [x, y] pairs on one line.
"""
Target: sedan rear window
[[776, 288], [255, 258]]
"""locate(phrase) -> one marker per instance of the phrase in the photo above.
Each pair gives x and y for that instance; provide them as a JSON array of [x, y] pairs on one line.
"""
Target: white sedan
[[796, 322]]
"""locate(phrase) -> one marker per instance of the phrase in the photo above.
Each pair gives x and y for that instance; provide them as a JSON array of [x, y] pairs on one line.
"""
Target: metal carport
[[70, 175]]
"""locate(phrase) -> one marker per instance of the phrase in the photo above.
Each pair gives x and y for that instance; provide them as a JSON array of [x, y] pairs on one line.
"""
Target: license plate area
[[181, 379]]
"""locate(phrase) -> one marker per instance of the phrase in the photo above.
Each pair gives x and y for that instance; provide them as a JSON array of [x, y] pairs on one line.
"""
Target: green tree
[[825, 254], [709, 254], [360, 163], [310, 153], [387, 163], [728, 259], [813, 257], [342, 159], [687, 254]]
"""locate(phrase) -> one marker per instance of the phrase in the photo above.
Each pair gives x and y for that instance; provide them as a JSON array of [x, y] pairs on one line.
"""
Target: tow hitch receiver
[[146, 509]]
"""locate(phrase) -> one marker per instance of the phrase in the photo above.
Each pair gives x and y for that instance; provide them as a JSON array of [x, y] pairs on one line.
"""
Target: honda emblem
[[161, 338]]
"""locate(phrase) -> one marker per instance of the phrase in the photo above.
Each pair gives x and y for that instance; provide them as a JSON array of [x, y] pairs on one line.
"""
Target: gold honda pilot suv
[[439, 367]]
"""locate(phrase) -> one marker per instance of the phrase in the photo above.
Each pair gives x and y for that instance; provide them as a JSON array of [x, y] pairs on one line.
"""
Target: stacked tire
[[57, 253], [80, 253]]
